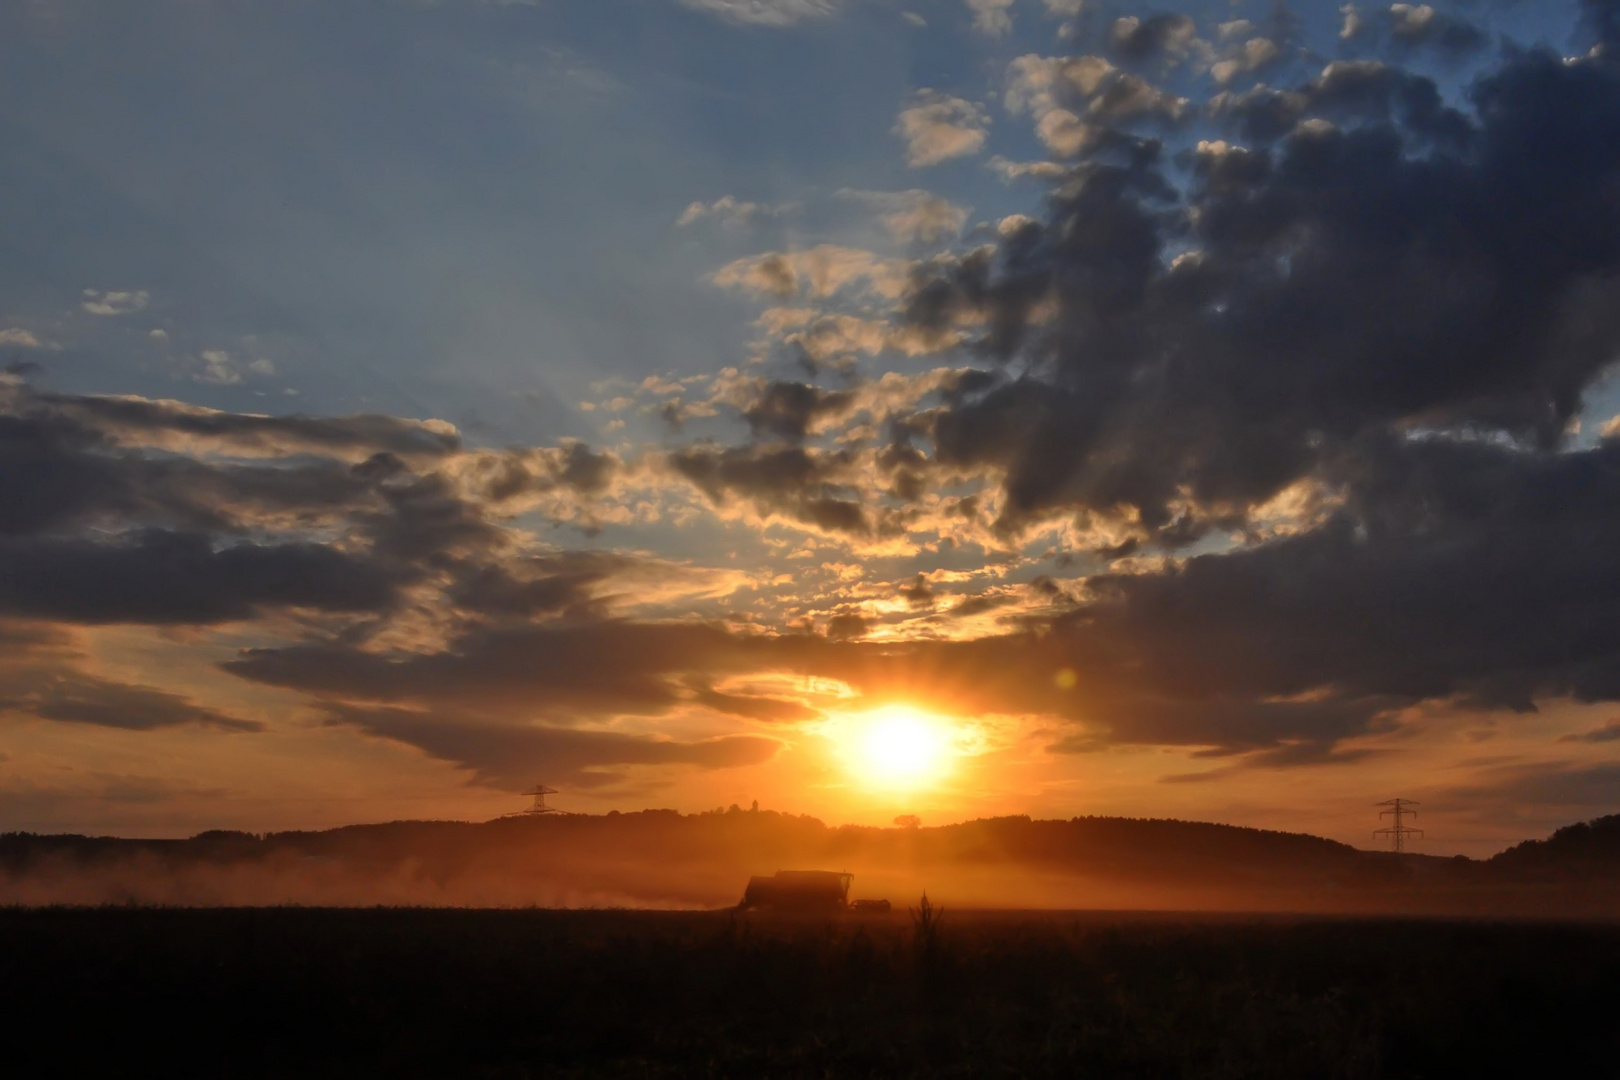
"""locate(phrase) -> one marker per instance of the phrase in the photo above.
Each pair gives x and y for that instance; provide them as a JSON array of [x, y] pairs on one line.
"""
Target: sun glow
[[899, 747]]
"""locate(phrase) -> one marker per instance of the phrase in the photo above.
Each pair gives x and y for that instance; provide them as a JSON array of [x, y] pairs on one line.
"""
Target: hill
[[663, 859], [1586, 852]]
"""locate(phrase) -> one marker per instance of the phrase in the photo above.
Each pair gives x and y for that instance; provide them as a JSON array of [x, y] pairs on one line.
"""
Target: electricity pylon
[[539, 792], [1397, 833]]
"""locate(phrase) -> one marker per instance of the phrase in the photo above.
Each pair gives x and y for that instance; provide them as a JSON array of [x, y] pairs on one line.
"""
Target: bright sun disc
[[900, 747]]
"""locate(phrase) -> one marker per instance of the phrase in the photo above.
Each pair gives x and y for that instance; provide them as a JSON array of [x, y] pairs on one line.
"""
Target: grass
[[286, 992]]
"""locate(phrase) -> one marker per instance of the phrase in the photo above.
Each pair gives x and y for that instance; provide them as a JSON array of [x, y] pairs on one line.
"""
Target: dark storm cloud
[[1408, 266], [1158, 37], [126, 510], [541, 585], [59, 477], [606, 668], [63, 473], [512, 756], [848, 626], [77, 698], [788, 409], [158, 576], [918, 594], [422, 517], [800, 483], [1460, 570], [1348, 92], [1602, 19], [599, 667], [96, 532], [42, 676], [1413, 25]]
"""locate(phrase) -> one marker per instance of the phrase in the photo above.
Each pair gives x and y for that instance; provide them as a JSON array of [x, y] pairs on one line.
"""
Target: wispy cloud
[[992, 18], [914, 215], [766, 12]]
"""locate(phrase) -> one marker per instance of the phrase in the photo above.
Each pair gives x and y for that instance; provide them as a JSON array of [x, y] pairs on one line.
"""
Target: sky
[[862, 407]]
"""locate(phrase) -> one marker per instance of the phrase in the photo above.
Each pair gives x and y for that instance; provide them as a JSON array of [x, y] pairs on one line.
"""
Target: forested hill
[[663, 858], [1589, 850]]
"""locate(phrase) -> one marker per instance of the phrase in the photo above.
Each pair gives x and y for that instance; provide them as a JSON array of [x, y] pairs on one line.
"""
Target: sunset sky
[[864, 407]]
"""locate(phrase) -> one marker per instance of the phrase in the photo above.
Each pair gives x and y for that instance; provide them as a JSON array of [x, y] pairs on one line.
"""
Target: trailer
[[799, 890]]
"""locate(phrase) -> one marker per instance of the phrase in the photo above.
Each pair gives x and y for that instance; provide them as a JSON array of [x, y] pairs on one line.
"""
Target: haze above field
[[661, 860], [952, 408]]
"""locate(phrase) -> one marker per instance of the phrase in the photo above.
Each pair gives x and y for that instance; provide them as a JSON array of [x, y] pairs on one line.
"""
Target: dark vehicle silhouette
[[799, 890], [869, 907]]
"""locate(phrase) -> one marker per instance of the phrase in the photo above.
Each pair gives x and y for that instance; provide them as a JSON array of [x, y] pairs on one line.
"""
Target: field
[[305, 992]]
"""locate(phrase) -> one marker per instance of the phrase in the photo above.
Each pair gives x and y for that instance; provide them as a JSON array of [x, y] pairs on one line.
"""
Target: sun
[[898, 747]]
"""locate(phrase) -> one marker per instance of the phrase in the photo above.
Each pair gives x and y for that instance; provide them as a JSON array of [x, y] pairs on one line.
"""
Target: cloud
[[1602, 19], [1251, 56], [1281, 651], [512, 756], [1163, 37], [820, 272], [561, 671], [1075, 100], [43, 677], [914, 215], [216, 367], [159, 577], [178, 427], [991, 17], [1008, 171], [805, 485], [1174, 390], [115, 303], [81, 699], [769, 710], [1413, 24], [728, 210], [1352, 22], [1578, 787], [1287, 395], [937, 127], [20, 338], [788, 410], [1609, 732], [776, 13], [125, 510], [532, 586]]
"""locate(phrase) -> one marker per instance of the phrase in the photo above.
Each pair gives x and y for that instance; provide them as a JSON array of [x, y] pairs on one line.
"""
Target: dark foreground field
[[447, 993]]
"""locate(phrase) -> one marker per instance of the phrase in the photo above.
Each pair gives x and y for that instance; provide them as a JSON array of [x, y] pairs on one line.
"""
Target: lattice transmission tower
[[1398, 833], [539, 792]]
